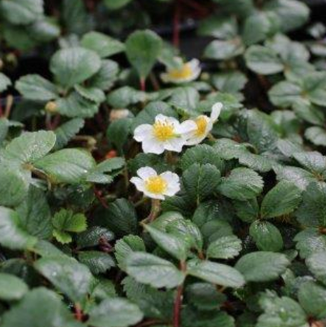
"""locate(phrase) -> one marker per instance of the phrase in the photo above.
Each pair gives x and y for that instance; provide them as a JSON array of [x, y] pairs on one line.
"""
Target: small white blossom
[[156, 186], [165, 134], [187, 72], [204, 125]]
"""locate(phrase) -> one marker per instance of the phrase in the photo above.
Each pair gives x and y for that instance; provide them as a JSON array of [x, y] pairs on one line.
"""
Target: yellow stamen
[[163, 130], [156, 184], [184, 72], [201, 123]]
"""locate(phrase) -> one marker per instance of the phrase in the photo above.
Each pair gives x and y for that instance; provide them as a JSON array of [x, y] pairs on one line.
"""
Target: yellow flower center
[[201, 123], [163, 130], [184, 72], [156, 184]]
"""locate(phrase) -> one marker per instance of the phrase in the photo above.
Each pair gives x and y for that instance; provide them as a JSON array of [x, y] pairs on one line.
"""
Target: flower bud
[[116, 114], [51, 107]]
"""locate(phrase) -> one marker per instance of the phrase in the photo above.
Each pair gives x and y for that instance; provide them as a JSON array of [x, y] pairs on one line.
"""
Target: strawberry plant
[[140, 186]]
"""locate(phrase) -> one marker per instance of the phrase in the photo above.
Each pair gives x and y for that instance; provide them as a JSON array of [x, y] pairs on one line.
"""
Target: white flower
[[165, 134], [156, 186], [116, 114], [187, 72], [204, 125]]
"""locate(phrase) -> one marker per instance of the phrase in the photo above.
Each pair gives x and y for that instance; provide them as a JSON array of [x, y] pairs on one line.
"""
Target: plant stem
[[142, 84], [9, 103], [78, 312], [100, 198], [178, 299], [155, 209]]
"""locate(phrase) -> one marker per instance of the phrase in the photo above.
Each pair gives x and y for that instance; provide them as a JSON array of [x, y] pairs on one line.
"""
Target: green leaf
[[40, 307], [242, 184], [151, 270], [76, 106], [4, 82], [70, 277], [66, 220], [185, 99], [125, 96], [98, 262], [35, 87], [171, 244], [116, 4], [282, 199], [285, 94], [248, 210], [93, 94], [118, 132], [316, 135], [35, 215], [30, 147], [115, 312], [200, 181], [219, 27], [121, 218], [125, 246], [74, 65], [13, 186], [104, 45], [266, 236], [317, 265], [216, 273], [263, 61], [310, 241], [281, 312], [202, 154], [312, 298], [313, 161], [11, 287], [106, 76], [142, 49], [224, 49], [262, 266], [92, 236], [292, 14], [225, 247], [67, 131], [62, 237], [26, 12], [67, 165], [230, 81], [12, 236], [312, 211]]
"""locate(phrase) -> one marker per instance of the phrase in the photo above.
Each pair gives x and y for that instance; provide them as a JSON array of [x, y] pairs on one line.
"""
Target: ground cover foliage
[[139, 187]]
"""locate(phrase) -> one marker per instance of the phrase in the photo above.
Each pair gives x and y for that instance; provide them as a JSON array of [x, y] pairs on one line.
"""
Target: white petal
[[170, 177], [146, 172], [194, 63], [175, 144], [195, 139], [186, 127], [151, 145], [216, 110], [169, 120], [154, 195], [142, 132], [139, 183], [172, 189]]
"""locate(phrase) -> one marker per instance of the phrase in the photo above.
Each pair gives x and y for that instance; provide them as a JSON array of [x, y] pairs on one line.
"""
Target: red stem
[[176, 20], [78, 312], [99, 197], [178, 299], [142, 84], [1, 111]]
